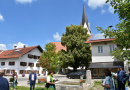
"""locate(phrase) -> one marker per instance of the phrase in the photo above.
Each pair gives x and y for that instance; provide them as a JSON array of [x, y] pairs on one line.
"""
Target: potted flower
[[38, 74], [23, 75], [92, 77]]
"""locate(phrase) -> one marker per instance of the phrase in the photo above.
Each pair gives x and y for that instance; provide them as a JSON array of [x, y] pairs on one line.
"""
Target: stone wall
[[68, 87]]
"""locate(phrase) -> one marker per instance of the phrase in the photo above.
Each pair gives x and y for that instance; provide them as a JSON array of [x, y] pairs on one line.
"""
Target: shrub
[[11, 80]]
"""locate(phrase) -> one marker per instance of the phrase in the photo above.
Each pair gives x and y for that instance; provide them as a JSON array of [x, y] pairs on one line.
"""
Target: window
[[28, 71], [19, 52], [31, 64], [11, 63], [22, 71], [8, 71], [23, 63], [37, 72], [35, 57], [111, 47], [30, 56], [100, 49], [37, 65], [38, 57], [2, 63]]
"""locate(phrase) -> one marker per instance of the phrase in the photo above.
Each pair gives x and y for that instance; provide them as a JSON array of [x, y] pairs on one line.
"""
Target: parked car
[[76, 75]]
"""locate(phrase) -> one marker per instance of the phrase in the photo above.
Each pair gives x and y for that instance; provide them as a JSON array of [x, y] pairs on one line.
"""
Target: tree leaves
[[77, 51], [49, 58], [122, 32]]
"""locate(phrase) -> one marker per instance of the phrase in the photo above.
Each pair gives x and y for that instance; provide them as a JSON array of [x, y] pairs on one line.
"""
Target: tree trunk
[[75, 69]]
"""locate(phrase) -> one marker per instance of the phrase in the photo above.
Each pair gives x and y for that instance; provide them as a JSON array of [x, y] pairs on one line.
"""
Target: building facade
[[101, 58], [21, 60]]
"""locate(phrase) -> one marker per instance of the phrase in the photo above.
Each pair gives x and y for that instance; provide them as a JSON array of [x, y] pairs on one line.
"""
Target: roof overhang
[[104, 65]]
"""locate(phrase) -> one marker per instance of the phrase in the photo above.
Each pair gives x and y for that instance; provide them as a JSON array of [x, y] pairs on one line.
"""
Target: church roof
[[84, 16]]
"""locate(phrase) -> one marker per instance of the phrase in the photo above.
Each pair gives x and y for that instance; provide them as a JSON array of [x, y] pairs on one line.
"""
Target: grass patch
[[40, 84], [20, 88]]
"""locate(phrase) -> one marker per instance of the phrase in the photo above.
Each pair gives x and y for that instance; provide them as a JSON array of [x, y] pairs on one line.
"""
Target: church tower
[[85, 22]]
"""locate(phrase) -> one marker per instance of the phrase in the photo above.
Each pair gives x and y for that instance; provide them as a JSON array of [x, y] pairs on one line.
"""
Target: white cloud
[[24, 1], [1, 17], [3, 47], [96, 3], [111, 9], [56, 36], [103, 11], [19, 45]]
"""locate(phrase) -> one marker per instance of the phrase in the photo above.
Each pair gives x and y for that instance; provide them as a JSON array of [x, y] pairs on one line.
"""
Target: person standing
[[32, 79], [50, 83], [15, 77], [4, 85], [129, 78], [121, 78], [108, 82]]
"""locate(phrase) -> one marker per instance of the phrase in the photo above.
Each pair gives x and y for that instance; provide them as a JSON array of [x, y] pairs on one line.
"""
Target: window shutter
[[27, 72], [38, 72], [11, 72], [20, 71], [98, 49], [42, 71], [24, 71]]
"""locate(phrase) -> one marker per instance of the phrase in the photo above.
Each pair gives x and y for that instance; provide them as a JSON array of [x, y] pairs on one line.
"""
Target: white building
[[101, 58], [21, 60]]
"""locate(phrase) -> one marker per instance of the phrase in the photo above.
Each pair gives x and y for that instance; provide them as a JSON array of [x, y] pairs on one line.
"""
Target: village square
[[79, 57]]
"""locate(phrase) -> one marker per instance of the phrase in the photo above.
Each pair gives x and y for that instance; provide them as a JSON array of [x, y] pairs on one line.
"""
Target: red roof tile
[[59, 46], [13, 53]]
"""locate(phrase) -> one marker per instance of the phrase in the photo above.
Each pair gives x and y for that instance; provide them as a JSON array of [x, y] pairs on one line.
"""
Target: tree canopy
[[121, 34], [78, 53], [49, 59]]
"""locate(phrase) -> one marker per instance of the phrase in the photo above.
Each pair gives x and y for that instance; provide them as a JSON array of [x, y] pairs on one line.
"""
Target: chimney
[[15, 47], [24, 46]]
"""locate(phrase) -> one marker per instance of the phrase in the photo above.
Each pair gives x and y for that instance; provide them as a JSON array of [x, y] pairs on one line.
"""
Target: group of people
[[121, 77], [4, 84]]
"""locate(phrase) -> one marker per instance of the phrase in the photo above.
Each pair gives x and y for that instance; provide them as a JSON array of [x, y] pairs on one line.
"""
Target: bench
[[42, 80]]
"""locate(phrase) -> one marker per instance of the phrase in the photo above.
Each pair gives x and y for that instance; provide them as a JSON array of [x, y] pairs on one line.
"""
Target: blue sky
[[37, 22]]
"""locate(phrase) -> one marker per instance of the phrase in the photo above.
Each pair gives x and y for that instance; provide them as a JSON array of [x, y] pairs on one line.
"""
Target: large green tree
[[122, 32], [78, 53], [49, 59]]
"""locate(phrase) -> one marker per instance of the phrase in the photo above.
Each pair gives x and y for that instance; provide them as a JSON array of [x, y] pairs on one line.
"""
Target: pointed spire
[[84, 16]]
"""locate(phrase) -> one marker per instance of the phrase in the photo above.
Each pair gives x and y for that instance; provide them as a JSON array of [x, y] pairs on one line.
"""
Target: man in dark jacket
[[121, 77], [4, 85], [32, 79]]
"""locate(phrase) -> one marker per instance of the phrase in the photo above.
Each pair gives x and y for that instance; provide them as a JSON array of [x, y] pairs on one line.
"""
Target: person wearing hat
[[121, 78]]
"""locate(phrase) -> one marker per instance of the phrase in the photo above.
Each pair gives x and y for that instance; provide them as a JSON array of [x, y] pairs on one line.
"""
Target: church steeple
[[85, 22], [84, 16]]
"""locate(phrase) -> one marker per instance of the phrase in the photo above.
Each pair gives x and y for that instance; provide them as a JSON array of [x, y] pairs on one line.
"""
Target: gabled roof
[[59, 46], [19, 52], [98, 38]]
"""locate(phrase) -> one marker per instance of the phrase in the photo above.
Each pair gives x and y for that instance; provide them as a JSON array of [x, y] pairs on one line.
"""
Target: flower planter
[[23, 75], [38, 74]]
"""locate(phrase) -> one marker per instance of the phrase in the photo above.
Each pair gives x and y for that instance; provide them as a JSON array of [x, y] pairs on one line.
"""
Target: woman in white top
[[15, 77], [50, 83]]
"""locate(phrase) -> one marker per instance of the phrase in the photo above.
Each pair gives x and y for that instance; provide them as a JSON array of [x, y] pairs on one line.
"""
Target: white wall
[[23, 58], [102, 57], [11, 67]]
